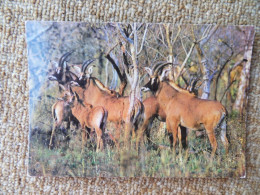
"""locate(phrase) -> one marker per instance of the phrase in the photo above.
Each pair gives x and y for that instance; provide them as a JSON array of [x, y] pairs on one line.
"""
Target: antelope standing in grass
[[61, 112], [153, 110], [92, 118], [98, 95], [186, 109], [95, 93]]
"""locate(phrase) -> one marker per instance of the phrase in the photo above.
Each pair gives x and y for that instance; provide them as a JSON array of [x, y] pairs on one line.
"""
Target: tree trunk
[[244, 78], [228, 98], [207, 81], [170, 49], [133, 94], [207, 78]]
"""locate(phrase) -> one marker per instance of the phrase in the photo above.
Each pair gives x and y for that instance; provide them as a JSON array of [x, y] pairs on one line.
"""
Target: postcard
[[137, 99]]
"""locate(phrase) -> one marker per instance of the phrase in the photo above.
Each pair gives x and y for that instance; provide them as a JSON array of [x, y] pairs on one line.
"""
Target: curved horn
[[64, 57], [160, 65], [85, 64], [71, 92], [154, 67]]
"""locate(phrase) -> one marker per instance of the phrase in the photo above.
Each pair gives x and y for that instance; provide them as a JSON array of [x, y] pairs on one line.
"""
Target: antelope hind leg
[[212, 139]]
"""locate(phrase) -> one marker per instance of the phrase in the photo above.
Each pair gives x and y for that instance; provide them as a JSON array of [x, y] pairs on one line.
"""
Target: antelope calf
[[92, 118], [61, 112]]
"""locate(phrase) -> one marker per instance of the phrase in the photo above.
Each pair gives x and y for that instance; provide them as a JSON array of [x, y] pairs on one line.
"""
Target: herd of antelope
[[90, 104]]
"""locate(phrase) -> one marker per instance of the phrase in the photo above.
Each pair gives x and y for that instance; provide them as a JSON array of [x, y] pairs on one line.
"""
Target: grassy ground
[[66, 159]]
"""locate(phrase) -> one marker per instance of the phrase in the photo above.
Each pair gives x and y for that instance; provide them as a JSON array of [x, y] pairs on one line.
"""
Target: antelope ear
[[62, 87], [148, 70], [164, 74], [74, 83], [90, 70], [52, 78], [56, 64]]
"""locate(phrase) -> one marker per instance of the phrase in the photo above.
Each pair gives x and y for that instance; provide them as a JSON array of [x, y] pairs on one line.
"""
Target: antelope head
[[86, 70], [156, 75], [59, 71], [71, 97]]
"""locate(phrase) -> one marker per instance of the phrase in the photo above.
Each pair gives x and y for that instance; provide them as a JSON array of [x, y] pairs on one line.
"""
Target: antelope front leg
[[172, 127], [83, 136], [127, 135], [140, 136], [52, 133], [182, 136], [55, 125], [118, 130]]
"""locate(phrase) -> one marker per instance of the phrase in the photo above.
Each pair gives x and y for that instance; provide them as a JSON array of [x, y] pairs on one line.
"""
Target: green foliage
[[66, 159]]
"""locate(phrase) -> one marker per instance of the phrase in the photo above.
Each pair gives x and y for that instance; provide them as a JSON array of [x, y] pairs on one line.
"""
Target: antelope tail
[[104, 120], [138, 111]]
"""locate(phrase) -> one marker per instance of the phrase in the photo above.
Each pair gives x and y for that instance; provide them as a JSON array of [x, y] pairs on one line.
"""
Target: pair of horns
[[157, 67], [86, 64]]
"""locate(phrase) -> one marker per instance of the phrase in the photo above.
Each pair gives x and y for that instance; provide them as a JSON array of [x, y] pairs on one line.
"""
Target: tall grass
[[66, 159]]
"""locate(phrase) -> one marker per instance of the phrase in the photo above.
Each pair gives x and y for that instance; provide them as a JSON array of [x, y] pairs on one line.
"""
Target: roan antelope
[[93, 118], [153, 110], [62, 74], [61, 112], [95, 93], [186, 109]]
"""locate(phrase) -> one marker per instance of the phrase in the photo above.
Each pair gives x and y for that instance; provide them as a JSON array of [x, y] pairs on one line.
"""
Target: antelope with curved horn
[[153, 110], [62, 74], [185, 109], [86, 71], [98, 95]]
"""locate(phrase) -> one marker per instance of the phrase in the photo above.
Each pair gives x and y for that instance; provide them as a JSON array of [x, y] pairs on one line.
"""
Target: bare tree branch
[[227, 90], [184, 47], [222, 68], [142, 44], [185, 61], [207, 35], [124, 35], [176, 37], [156, 51], [112, 48]]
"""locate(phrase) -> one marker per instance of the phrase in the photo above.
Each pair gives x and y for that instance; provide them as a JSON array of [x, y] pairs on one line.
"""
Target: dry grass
[[65, 158]]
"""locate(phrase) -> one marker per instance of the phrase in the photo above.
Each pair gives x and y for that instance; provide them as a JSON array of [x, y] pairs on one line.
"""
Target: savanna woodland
[[158, 100]]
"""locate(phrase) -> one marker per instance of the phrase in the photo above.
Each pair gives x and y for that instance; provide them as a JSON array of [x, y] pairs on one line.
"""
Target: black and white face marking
[[52, 78], [58, 70], [152, 81], [145, 89], [152, 85]]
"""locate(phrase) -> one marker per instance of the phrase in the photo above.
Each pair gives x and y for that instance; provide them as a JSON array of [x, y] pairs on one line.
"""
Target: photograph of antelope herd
[[137, 99]]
